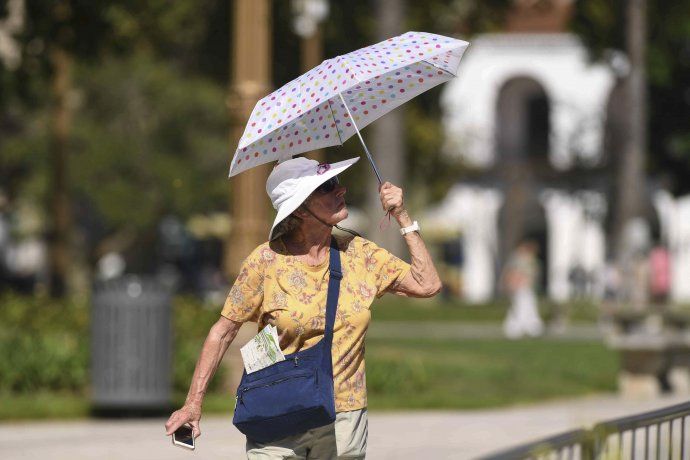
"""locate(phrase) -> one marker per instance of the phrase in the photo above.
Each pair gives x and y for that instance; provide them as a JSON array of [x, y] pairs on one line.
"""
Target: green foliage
[[601, 24], [192, 322], [180, 31], [44, 351], [21, 167], [149, 120], [44, 344], [158, 24], [147, 140], [462, 18]]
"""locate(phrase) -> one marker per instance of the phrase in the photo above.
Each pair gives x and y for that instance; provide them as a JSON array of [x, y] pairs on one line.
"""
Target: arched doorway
[[522, 153], [522, 128]]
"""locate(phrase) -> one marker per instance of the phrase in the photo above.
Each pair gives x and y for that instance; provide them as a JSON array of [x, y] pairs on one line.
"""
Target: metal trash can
[[131, 346]]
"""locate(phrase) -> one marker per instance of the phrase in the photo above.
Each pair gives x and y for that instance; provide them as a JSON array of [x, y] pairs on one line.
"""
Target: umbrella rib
[[366, 150], [336, 125], [440, 68]]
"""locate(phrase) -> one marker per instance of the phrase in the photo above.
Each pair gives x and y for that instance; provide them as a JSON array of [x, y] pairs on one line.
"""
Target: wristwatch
[[412, 228]]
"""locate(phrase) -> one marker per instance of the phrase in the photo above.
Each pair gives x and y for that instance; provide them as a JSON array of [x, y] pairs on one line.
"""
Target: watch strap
[[412, 228]]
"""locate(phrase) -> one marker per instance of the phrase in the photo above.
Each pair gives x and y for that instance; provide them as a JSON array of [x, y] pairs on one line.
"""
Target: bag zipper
[[245, 389]]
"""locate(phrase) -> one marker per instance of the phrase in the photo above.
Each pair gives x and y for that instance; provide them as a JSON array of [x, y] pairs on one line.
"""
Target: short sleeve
[[247, 294], [389, 270]]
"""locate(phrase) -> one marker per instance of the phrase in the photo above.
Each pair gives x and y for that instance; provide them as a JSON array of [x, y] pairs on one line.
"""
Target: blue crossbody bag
[[294, 395]]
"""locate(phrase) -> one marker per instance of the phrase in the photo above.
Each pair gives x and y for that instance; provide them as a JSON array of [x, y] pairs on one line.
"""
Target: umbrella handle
[[371, 160]]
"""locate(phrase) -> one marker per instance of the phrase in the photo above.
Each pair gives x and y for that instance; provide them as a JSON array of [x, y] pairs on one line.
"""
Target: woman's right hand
[[220, 336], [189, 413]]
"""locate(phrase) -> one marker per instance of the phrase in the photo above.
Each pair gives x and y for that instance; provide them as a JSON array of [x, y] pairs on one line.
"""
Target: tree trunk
[[250, 81], [61, 120], [387, 140], [631, 184]]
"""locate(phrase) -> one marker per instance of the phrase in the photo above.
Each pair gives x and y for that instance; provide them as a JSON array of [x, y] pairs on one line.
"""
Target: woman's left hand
[[392, 199]]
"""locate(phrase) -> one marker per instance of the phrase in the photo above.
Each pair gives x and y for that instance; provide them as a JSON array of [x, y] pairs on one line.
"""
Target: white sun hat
[[292, 181]]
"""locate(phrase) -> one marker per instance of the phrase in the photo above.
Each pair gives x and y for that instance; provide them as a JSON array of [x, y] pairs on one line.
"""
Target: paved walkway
[[396, 435]]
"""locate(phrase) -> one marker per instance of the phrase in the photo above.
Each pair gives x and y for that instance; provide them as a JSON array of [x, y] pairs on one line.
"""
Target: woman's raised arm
[[423, 279]]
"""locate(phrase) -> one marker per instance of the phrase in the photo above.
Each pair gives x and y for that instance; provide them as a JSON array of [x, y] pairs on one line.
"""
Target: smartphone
[[183, 437]]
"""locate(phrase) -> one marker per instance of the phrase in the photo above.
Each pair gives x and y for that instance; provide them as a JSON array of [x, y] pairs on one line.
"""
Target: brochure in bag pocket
[[262, 351]]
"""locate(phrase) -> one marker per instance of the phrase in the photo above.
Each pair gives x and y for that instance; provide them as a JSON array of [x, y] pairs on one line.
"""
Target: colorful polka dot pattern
[[307, 113]]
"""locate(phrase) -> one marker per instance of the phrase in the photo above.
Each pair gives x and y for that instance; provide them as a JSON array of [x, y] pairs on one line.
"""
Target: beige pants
[[346, 438]]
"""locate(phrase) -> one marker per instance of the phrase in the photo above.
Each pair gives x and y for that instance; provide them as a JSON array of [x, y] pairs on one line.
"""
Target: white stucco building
[[10, 26], [532, 116], [499, 78]]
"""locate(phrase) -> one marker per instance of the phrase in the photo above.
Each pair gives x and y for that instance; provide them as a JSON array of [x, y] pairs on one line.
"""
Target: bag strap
[[336, 275]]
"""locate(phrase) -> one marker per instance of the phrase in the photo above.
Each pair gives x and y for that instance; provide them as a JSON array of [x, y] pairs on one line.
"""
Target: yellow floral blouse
[[274, 286]]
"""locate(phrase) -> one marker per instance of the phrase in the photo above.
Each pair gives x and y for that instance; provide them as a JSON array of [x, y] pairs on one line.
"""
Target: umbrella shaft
[[366, 150], [371, 160]]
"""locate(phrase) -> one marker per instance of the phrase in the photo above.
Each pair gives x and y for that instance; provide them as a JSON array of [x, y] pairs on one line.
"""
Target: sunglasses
[[328, 186]]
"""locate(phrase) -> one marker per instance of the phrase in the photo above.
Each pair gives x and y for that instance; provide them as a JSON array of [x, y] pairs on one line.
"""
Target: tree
[[146, 98], [68, 37], [388, 135], [600, 23], [147, 141]]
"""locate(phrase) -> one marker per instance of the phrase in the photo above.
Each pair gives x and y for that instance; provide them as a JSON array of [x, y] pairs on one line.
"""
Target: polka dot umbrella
[[334, 100]]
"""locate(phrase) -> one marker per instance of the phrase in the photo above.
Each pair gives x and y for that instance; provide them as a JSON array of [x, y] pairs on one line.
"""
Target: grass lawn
[[48, 405], [45, 348], [42, 405], [422, 374], [474, 374], [470, 374], [396, 308]]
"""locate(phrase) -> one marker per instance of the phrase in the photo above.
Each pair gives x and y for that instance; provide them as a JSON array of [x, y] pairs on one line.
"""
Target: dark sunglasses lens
[[329, 185]]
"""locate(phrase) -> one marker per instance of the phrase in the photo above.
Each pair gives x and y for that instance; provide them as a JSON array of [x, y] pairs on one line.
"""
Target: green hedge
[[44, 343], [192, 322]]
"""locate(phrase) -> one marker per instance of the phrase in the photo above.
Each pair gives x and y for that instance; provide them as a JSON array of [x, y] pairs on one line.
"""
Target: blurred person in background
[[659, 274], [519, 280], [284, 282]]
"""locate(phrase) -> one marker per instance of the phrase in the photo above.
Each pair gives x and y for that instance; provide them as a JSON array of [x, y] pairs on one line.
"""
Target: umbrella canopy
[[327, 105]]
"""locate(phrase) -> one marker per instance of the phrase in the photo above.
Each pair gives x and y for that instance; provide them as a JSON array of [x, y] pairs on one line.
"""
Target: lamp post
[[308, 15]]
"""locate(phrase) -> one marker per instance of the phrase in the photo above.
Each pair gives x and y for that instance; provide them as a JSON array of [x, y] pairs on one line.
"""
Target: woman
[[284, 282], [520, 279]]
